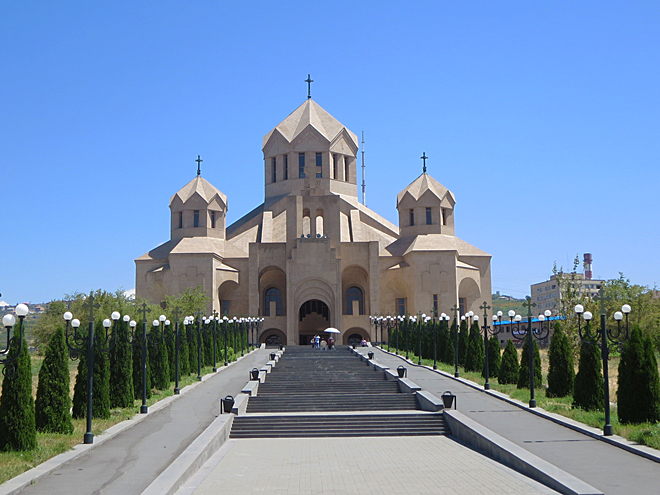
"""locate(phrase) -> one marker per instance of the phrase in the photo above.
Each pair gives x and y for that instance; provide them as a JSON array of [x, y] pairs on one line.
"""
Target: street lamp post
[[224, 323], [485, 307], [8, 321], [529, 336], [421, 320], [603, 340], [456, 309], [215, 343], [77, 342]]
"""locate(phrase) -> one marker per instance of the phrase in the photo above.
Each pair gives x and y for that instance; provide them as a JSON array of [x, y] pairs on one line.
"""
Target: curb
[[27, 478]]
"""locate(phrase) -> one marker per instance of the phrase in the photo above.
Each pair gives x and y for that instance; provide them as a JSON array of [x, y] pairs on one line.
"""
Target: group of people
[[318, 343]]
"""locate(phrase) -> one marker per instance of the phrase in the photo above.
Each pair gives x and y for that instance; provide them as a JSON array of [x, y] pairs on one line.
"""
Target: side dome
[[425, 207], [198, 209]]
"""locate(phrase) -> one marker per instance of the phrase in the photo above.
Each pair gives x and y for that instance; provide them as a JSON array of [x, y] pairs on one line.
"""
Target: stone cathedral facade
[[311, 256]]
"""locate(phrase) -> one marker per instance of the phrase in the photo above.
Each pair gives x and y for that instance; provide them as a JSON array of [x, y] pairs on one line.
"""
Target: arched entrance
[[313, 319], [272, 337], [353, 336]]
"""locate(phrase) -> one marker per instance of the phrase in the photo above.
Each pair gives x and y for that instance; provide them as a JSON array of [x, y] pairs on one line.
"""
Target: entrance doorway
[[313, 319]]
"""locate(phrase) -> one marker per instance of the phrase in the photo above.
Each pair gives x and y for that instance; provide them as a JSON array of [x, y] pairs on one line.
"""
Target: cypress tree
[[80, 388], [449, 356], [53, 404], [171, 349], [101, 382], [494, 357], [121, 370], [509, 368], [18, 431], [184, 359], [523, 375], [191, 334], [638, 395], [159, 362], [561, 371], [462, 343], [474, 359], [207, 343], [588, 386]]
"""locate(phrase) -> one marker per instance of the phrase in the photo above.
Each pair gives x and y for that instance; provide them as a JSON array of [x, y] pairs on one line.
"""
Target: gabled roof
[[310, 113], [422, 184], [201, 186]]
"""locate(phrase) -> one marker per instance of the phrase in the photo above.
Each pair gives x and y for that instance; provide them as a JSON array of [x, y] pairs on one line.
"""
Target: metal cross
[[529, 305], [424, 157], [309, 82], [144, 312], [603, 299], [90, 303], [455, 309], [485, 306], [199, 165], [176, 313]]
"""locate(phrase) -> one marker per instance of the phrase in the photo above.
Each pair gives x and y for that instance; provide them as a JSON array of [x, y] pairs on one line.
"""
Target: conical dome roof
[[425, 183], [310, 113], [201, 186]]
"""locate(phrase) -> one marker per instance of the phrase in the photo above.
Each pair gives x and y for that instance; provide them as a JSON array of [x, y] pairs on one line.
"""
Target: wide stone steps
[[331, 402], [358, 425]]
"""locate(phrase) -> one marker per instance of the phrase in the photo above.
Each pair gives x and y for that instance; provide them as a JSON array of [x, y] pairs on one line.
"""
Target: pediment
[[276, 144], [310, 139], [343, 143]]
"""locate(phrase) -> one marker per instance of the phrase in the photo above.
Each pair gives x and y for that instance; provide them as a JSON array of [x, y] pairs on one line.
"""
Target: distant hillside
[[505, 304]]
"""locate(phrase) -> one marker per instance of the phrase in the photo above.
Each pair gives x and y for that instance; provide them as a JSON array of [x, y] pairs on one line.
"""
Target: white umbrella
[[331, 330]]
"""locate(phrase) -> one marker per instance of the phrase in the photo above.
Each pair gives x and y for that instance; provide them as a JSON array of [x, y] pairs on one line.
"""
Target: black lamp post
[[542, 318], [177, 342], [399, 324], [215, 343], [420, 320], [199, 345], [492, 331], [604, 339], [78, 342], [435, 339], [529, 335], [225, 322], [8, 321], [456, 309]]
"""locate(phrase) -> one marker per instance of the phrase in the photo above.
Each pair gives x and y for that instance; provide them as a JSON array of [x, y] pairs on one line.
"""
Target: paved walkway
[[131, 460], [603, 466], [383, 465]]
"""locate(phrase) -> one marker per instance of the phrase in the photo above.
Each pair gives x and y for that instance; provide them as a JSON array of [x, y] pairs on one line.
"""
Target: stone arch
[[319, 221], [272, 334], [353, 333], [315, 288], [272, 277], [469, 290], [355, 276], [306, 223], [157, 291]]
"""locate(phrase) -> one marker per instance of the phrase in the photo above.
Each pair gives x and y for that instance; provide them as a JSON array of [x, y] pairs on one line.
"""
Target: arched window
[[273, 295], [354, 294]]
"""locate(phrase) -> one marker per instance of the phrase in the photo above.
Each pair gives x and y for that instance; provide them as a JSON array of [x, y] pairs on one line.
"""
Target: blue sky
[[542, 117]]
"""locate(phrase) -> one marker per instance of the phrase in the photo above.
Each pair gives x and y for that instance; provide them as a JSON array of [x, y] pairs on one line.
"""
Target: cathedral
[[311, 256]]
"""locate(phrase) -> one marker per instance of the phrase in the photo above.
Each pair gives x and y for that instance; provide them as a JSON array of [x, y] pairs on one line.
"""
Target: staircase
[[345, 396]]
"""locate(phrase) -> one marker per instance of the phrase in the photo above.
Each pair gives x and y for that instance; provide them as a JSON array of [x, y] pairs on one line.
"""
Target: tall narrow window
[[180, 219], [286, 167], [334, 166], [346, 168], [400, 304], [301, 165], [435, 305], [462, 303], [319, 164], [444, 216], [428, 216], [212, 219], [274, 165], [354, 294], [412, 217], [196, 218], [224, 307], [273, 295]]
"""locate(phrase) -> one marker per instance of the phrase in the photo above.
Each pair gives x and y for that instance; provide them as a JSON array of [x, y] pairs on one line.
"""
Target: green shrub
[[638, 395], [18, 430], [184, 359], [561, 371], [462, 343], [138, 371], [159, 361], [53, 404], [449, 355], [494, 357], [509, 368], [475, 356], [121, 369], [523, 375], [588, 386]]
